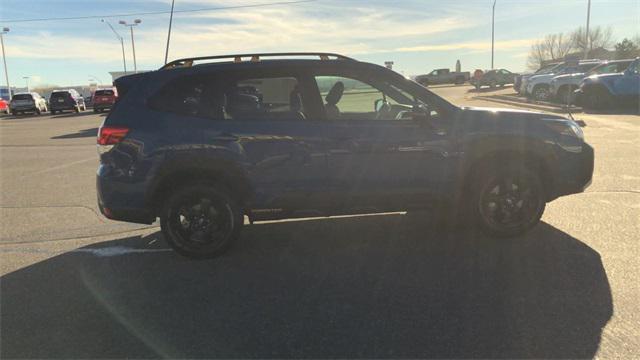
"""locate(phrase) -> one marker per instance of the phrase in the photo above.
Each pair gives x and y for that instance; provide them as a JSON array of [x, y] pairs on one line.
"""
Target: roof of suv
[[252, 58]]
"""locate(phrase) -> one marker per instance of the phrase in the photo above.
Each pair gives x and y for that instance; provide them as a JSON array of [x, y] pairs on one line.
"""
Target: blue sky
[[418, 35]]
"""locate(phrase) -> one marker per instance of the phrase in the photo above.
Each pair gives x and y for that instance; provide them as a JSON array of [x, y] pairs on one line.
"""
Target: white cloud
[[476, 46], [350, 30]]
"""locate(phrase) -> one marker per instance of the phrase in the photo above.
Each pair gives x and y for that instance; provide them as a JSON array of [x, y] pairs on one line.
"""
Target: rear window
[[60, 94], [22, 97], [104, 93]]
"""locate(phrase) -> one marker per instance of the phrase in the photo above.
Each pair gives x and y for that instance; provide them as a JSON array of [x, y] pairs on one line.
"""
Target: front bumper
[[575, 171]]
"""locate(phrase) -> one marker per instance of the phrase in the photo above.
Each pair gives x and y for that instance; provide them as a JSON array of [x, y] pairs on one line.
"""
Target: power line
[[158, 12]]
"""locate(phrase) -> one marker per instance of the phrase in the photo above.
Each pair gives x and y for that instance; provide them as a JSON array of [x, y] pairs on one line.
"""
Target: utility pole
[[587, 39], [133, 44], [26, 78], [493, 21], [4, 59], [166, 53]]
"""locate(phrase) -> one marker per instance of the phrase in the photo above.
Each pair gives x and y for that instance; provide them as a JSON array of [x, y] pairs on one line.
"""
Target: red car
[[104, 99], [4, 106]]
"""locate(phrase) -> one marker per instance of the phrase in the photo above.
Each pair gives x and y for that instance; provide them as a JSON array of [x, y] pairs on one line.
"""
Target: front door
[[378, 155]]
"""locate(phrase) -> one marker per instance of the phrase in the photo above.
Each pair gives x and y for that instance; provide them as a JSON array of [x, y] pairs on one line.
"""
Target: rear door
[[259, 120]]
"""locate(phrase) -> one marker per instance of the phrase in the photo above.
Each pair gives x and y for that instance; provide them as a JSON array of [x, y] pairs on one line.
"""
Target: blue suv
[[604, 91], [203, 142]]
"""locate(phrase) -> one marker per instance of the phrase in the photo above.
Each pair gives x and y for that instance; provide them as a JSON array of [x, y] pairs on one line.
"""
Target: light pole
[[133, 44], [124, 61], [166, 53], [27, 80], [4, 59], [493, 17], [586, 34]]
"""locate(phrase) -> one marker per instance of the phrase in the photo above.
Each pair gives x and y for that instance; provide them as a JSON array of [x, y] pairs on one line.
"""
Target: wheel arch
[[535, 159], [178, 174]]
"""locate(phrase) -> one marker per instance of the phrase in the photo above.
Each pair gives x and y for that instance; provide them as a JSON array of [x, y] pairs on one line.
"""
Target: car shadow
[[363, 287], [92, 132], [73, 114]]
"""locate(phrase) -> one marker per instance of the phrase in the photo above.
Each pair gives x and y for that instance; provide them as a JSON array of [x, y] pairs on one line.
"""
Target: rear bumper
[[57, 107], [121, 200], [23, 108], [102, 106]]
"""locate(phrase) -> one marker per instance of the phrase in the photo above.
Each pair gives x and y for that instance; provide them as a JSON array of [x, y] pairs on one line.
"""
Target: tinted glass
[[60, 94], [22, 97], [104, 93]]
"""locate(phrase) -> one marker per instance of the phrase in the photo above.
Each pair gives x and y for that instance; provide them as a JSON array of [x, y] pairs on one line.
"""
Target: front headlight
[[571, 137]]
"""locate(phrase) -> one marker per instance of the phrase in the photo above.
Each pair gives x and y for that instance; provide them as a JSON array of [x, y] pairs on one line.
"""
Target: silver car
[[562, 87], [27, 102]]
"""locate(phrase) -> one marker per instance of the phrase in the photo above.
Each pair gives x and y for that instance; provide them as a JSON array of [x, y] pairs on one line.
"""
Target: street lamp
[[124, 61], [133, 44], [27, 80], [587, 39], [4, 59], [493, 17]]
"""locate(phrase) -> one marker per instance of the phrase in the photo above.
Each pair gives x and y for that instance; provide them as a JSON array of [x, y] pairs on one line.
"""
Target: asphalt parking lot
[[76, 285]]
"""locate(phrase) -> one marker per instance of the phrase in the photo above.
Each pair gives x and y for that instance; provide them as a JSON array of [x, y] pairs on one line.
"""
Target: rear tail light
[[108, 136]]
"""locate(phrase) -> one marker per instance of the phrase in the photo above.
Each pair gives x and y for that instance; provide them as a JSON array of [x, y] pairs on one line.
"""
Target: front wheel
[[201, 221], [508, 201], [541, 93]]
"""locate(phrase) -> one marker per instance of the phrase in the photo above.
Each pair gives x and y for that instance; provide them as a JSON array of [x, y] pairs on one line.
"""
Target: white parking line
[[99, 252]]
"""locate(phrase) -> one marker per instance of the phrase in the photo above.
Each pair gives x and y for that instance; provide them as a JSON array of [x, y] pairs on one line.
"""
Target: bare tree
[[552, 47], [599, 37]]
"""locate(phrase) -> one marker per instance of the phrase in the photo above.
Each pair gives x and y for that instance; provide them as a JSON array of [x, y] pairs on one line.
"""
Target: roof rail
[[188, 62]]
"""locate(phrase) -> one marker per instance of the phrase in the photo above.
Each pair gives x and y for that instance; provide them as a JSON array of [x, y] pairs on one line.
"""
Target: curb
[[530, 105]]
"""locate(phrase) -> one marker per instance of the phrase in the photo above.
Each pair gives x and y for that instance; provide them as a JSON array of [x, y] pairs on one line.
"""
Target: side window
[[232, 99], [264, 98], [185, 96], [635, 67], [434, 72], [352, 99]]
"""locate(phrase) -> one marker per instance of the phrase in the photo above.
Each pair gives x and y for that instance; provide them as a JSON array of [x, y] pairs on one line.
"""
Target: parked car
[[70, 99], [202, 146], [563, 87], [539, 86], [519, 83], [493, 78], [606, 90], [88, 100], [4, 106], [104, 99], [27, 102], [443, 76]]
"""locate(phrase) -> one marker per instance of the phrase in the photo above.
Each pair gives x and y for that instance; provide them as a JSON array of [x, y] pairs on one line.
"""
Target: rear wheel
[[541, 93], [201, 220], [508, 200]]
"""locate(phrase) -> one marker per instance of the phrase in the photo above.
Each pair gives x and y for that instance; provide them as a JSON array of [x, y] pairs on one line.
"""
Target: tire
[[597, 98], [541, 93], [507, 200], [565, 96], [187, 224]]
